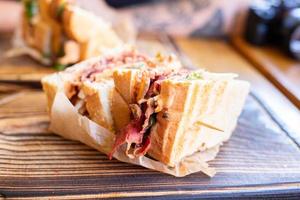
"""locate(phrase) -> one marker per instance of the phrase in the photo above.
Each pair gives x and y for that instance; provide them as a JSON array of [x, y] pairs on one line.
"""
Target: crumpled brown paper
[[68, 123]]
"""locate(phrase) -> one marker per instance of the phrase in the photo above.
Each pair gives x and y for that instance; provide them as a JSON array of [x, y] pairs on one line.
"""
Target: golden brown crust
[[44, 6], [173, 99], [42, 36], [98, 99], [120, 110], [131, 84], [50, 87], [57, 7], [54, 82], [89, 49], [96, 112], [78, 24], [72, 53], [27, 30], [84, 29], [124, 82]]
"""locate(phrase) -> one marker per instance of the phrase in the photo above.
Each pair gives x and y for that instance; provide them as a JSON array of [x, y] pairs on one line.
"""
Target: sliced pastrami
[[137, 132], [130, 134]]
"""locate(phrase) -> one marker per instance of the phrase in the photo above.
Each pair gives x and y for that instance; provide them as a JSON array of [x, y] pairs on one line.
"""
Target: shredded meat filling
[[110, 63], [137, 133], [106, 63]]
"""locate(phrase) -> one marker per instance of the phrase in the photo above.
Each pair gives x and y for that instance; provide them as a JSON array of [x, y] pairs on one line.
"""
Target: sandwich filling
[[98, 71], [143, 116], [103, 69], [136, 134]]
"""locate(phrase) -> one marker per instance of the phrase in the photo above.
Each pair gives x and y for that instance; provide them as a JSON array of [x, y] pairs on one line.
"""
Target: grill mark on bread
[[192, 128], [205, 98], [176, 103], [219, 95], [192, 91]]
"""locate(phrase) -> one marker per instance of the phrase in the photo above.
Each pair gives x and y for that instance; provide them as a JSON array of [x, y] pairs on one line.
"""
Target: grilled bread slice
[[82, 26], [98, 101], [196, 115], [198, 110], [56, 29]]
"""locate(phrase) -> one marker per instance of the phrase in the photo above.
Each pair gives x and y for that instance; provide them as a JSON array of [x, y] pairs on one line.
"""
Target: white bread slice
[[61, 80], [37, 32], [120, 110], [56, 29], [51, 84], [72, 53], [125, 81], [190, 110], [42, 33], [81, 26], [92, 33], [26, 30], [98, 96]]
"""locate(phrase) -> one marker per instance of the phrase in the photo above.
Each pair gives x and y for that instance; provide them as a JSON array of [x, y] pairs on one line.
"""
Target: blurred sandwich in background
[[59, 33]]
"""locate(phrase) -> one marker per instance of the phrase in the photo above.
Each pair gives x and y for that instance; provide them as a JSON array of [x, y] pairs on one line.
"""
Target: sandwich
[[90, 87], [177, 113], [146, 111], [59, 33]]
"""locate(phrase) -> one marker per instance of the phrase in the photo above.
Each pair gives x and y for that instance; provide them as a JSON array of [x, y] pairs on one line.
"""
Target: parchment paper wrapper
[[68, 123]]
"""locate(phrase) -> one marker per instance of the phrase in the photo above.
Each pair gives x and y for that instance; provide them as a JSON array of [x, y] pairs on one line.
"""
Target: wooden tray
[[261, 160]]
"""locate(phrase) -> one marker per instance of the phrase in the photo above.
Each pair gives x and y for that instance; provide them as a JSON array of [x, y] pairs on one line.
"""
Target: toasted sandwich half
[[171, 115], [63, 33]]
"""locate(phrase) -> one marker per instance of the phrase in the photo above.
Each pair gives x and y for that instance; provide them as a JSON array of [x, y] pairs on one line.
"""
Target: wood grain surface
[[260, 158], [282, 70], [260, 161], [18, 69]]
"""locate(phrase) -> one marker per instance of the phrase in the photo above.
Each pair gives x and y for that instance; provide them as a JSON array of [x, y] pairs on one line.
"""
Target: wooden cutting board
[[262, 159]]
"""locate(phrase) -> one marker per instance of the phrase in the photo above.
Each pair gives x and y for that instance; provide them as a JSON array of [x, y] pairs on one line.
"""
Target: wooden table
[[262, 159], [280, 69]]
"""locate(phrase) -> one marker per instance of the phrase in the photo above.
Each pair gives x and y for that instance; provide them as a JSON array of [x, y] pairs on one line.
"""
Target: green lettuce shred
[[194, 76]]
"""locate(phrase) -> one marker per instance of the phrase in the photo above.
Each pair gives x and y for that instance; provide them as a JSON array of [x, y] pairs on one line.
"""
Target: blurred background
[[261, 22], [265, 32], [176, 17]]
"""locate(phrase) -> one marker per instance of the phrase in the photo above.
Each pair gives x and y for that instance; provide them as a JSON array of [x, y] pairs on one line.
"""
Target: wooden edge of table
[[268, 69], [275, 190]]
